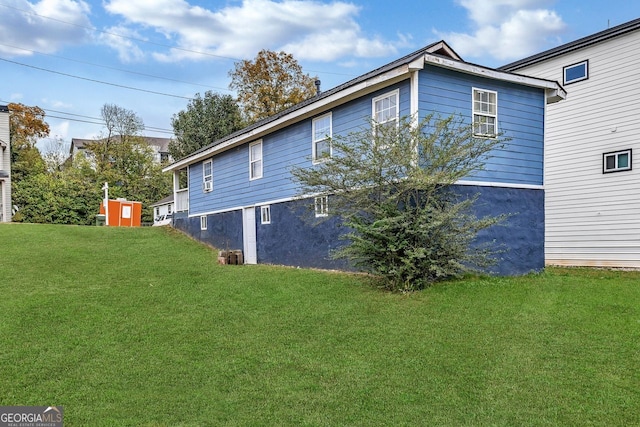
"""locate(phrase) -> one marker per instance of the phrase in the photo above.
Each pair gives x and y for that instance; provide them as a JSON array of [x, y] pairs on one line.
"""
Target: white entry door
[[249, 235]]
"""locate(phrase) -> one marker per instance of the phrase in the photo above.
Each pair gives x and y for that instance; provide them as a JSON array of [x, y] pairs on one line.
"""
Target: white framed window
[[170, 208], [203, 222], [576, 72], [255, 160], [321, 134], [616, 161], [157, 211], [485, 112], [385, 109], [207, 176], [322, 206], [265, 214]]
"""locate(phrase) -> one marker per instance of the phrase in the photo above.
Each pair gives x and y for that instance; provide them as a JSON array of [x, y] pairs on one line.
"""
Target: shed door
[[126, 214], [249, 235]]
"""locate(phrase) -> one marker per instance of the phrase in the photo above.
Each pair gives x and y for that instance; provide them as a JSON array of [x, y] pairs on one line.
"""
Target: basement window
[[203, 222], [265, 214], [617, 161], [322, 206]]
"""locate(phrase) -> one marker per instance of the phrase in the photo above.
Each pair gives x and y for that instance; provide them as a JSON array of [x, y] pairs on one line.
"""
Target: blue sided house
[[237, 193]]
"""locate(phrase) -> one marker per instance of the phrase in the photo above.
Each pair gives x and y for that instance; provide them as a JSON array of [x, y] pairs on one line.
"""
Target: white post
[[106, 203]]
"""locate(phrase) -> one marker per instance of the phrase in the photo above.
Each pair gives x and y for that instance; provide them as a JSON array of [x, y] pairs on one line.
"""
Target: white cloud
[[506, 29], [42, 26], [121, 40], [321, 31]]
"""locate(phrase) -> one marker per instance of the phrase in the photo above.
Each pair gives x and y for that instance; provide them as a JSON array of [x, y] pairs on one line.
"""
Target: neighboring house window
[[164, 157], [255, 160], [485, 113], [576, 72], [617, 161], [158, 211], [385, 109], [265, 214], [169, 209], [321, 130], [322, 206], [203, 222], [207, 175]]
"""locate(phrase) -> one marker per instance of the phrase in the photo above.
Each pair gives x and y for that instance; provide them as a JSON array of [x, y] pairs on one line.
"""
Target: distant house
[[592, 188], [160, 147], [163, 211], [237, 193], [5, 166]]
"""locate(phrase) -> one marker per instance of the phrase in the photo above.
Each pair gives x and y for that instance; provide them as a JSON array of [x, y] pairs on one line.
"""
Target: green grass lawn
[[140, 327]]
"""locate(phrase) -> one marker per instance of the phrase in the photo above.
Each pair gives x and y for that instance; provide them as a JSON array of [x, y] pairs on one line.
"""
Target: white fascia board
[[554, 91], [352, 92]]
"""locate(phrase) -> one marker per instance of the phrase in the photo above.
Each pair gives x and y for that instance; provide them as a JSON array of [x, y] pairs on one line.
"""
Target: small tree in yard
[[393, 189]]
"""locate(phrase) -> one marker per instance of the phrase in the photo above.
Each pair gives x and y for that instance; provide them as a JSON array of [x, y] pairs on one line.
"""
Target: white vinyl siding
[[590, 219]]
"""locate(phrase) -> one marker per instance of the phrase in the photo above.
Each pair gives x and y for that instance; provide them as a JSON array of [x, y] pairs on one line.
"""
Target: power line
[[114, 68], [92, 120], [95, 81]]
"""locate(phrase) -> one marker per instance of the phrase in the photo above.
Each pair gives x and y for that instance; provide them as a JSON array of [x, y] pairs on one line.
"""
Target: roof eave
[[367, 86], [550, 86], [583, 42]]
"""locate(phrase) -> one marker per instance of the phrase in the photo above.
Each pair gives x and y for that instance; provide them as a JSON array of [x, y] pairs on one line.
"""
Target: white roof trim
[[555, 92], [371, 85]]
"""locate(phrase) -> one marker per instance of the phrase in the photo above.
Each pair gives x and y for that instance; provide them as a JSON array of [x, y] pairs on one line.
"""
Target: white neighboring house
[[163, 211], [5, 166], [160, 147], [592, 191]]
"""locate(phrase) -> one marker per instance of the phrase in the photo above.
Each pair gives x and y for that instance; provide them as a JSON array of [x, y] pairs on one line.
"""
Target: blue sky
[[70, 57]]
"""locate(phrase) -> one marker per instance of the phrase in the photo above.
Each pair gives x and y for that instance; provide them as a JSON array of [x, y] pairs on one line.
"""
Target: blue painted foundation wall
[[291, 240], [224, 230]]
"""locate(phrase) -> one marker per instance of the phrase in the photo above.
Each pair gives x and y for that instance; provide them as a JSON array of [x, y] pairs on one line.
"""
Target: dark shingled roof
[[164, 201], [444, 50], [575, 45]]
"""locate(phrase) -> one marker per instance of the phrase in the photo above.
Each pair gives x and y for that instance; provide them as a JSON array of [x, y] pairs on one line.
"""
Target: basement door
[[249, 235]]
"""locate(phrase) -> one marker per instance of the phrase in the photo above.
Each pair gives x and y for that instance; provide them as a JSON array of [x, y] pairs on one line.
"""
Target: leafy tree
[[269, 84], [60, 197], [205, 120], [393, 189], [123, 159], [26, 125], [72, 194]]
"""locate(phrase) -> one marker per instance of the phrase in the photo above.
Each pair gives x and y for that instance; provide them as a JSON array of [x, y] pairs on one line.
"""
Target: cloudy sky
[[70, 57]]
